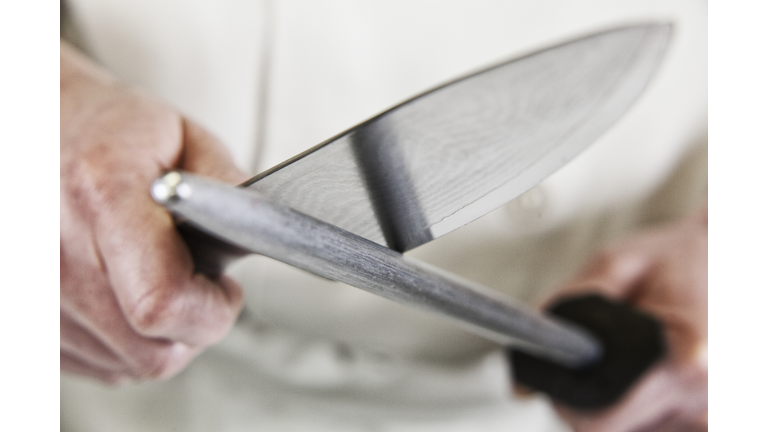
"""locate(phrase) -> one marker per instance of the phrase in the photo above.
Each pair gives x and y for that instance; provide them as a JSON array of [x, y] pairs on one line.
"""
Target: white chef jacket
[[271, 79]]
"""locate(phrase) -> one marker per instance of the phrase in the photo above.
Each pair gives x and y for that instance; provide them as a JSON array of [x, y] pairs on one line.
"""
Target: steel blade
[[449, 156]]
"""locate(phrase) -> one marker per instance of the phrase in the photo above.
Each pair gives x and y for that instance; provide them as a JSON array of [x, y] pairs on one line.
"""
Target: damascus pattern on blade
[[449, 156]]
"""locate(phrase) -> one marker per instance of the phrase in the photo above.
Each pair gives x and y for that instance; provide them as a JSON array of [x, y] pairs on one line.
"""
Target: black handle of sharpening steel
[[632, 341]]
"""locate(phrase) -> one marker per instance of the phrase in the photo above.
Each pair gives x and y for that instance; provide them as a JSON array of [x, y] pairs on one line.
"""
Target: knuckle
[[152, 314], [83, 178], [617, 263], [85, 181]]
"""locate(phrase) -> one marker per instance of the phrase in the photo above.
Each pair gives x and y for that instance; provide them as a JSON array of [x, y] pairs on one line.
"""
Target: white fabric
[[310, 354]]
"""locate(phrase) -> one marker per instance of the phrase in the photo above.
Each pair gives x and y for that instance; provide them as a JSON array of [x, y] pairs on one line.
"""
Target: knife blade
[[423, 169], [444, 158]]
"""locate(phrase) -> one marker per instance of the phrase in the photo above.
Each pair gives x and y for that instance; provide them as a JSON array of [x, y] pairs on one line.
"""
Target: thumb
[[614, 273]]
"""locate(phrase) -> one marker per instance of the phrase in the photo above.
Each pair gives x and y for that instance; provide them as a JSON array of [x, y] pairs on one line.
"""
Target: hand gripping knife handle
[[585, 353]]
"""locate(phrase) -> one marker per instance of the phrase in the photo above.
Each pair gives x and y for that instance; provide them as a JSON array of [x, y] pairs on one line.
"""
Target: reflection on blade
[[449, 156], [390, 187]]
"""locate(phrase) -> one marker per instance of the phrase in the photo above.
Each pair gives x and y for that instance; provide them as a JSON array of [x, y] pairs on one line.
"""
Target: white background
[[29, 214]]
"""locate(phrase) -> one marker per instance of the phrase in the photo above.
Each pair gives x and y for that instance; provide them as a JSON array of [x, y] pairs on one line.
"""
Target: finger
[[92, 306], [613, 273], [75, 339], [205, 155], [641, 406], [142, 358], [148, 264], [677, 423], [70, 363], [108, 343], [153, 276], [662, 397]]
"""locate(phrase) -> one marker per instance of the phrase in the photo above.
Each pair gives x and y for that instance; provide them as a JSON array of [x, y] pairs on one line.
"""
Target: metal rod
[[250, 221]]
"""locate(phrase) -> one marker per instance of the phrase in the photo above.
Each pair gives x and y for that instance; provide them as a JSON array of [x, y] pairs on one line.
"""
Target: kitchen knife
[[423, 169]]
